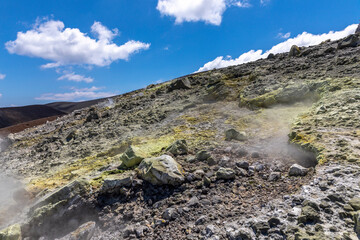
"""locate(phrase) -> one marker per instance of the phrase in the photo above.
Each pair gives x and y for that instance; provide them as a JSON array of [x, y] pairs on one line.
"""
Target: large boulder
[[233, 134], [11, 233], [161, 170], [84, 232], [132, 157], [203, 155], [350, 41], [181, 83], [297, 170], [294, 51], [77, 187], [355, 203], [179, 147], [293, 93], [225, 174], [309, 214], [114, 182], [356, 219], [63, 206]]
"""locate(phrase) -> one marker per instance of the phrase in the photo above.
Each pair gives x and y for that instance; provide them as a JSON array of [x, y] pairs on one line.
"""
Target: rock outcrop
[[161, 170], [11, 233]]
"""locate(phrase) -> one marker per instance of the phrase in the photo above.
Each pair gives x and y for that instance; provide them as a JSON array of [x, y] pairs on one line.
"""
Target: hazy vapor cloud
[[76, 95], [50, 40], [75, 77], [2, 76], [304, 39], [284, 35]]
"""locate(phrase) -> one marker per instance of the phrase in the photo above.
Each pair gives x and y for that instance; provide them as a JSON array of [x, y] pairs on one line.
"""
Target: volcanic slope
[[263, 150]]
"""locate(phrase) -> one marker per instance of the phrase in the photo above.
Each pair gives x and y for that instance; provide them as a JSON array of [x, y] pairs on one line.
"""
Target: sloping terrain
[[264, 150]]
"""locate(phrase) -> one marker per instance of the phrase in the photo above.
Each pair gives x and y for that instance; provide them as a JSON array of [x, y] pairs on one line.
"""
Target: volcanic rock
[[131, 158], [179, 147], [294, 51], [225, 173], [161, 170], [11, 233], [350, 41], [232, 134], [297, 170]]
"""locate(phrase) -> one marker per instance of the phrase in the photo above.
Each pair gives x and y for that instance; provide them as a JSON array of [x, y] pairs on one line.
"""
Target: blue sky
[[74, 50]]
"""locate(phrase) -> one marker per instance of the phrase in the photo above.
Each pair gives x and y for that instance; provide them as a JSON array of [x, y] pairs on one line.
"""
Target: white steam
[[109, 103]]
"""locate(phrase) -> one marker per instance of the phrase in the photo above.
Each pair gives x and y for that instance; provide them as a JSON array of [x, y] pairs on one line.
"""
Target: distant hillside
[[15, 115], [68, 107], [34, 113]]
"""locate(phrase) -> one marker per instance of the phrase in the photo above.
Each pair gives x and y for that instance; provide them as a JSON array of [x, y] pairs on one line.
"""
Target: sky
[[75, 50]]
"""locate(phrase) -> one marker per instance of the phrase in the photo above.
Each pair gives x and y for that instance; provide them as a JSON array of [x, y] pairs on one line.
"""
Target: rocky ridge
[[264, 150]]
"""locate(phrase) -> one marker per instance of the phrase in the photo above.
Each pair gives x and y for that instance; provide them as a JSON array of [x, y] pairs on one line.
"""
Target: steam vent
[[264, 150]]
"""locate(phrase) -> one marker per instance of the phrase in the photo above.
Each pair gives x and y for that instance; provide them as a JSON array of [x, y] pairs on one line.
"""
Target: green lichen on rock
[[179, 147], [11, 233], [131, 157], [113, 182], [329, 127], [161, 170], [355, 203], [77, 187], [294, 51], [291, 93]]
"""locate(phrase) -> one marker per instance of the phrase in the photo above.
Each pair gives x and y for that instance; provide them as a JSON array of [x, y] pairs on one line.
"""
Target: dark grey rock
[[170, 214], [243, 164], [350, 41], [297, 170], [334, 197], [178, 84], [261, 227], [232, 134], [202, 155], [274, 176], [193, 202], [201, 220], [225, 174], [294, 51], [179, 147]]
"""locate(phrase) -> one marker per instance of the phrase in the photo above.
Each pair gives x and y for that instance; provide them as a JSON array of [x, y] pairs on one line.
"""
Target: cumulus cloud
[[209, 11], [50, 40], [304, 39], [76, 78], [76, 95], [2, 76]]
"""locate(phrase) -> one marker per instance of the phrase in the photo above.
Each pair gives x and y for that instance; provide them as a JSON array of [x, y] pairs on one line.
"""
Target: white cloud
[[304, 39], [2, 76], [76, 77], [76, 95], [50, 40], [0, 95], [103, 33], [209, 11], [284, 35]]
